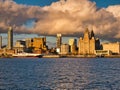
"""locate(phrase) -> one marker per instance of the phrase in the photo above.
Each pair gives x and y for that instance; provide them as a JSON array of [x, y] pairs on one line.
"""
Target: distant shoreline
[[67, 56]]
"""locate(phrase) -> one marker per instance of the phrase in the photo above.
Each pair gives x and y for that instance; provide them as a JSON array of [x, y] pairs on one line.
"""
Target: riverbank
[[66, 56], [80, 56], [6, 56]]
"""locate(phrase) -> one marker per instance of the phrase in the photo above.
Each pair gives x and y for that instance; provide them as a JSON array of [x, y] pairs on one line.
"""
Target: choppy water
[[60, 74]]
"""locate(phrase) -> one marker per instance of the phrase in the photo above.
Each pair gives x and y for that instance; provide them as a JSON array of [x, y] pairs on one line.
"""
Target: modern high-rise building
[[88, 44], [72, 41], [73, 46], [10, 38], [0, 42], [59, 40]]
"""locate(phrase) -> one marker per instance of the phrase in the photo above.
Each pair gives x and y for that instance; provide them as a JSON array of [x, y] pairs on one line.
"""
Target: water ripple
[[60, 74]]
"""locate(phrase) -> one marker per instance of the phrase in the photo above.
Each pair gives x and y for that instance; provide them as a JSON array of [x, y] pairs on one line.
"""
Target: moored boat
[[27, 55]]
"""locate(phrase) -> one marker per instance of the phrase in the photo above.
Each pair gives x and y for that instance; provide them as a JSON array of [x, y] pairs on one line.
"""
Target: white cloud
[[69, 17], [115, 10]]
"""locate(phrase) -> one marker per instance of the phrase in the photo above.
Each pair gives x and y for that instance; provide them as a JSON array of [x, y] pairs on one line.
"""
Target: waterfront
[[59, 74]]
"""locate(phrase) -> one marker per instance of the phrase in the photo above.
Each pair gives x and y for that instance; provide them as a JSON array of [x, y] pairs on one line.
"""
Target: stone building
[[5, 51], [88, 44], [20, 46], [39, 43], [65, 49], [36, 45], [113, 47]]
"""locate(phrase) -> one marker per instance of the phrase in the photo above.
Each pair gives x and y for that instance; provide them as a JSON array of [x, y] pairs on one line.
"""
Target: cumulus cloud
[[12, 14], [115, 10], [69, 17]]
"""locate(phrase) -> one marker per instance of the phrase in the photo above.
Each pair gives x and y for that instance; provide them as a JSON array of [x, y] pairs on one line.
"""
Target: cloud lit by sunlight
[[69, 17]]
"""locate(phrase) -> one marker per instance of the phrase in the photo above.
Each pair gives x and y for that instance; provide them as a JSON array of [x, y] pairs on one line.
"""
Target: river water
[[60, 74]]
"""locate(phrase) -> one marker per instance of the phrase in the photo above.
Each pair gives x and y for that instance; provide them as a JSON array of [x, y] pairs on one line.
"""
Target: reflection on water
[[60, 74]]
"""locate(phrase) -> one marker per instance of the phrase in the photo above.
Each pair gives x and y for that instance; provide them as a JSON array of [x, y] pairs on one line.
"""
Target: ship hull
[[27, 55]]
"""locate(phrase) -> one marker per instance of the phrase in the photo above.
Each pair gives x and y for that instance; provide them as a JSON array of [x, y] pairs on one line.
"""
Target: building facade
[[58, 43], [65, 49], [73, 46], [10, 38], [113, 47], [59, 40], [88, 44], [36, 45], [103, 52], [39, 43], [0, 42], [20, 46]]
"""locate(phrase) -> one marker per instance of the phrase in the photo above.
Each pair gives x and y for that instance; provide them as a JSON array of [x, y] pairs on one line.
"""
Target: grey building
[[10, 38]]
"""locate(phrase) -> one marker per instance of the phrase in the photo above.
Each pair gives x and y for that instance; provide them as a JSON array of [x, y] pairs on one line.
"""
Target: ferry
[[27, 55]]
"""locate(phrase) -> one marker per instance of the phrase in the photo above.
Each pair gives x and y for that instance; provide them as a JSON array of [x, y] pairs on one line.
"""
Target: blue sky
[[100, 3], [35, 2], [106, 3]]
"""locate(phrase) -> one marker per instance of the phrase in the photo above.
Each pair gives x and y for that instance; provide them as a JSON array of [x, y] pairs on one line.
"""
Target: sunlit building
[[39, 43], [73, 46], [58, 42], [20, 46], [88, 44], [10, 38], [103, 52], [0, 42], [28, 42], [36, 45], [65, 49], [113, 47]]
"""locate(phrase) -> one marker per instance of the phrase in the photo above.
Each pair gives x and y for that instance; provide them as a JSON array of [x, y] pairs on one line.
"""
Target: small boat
[[27, 55]]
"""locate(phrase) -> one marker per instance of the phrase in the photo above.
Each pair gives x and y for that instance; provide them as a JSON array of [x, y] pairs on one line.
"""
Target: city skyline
[[68, 17], [87, 44]]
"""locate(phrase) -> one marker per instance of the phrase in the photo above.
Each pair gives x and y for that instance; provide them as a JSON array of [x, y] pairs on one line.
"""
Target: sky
[[100, 3], [68, 17], [35, 2]]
